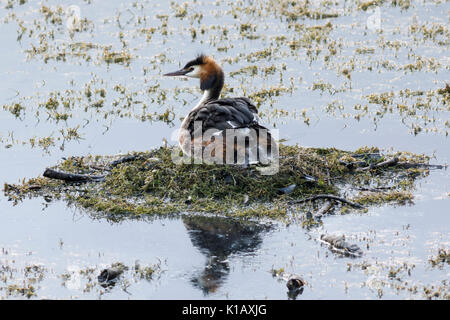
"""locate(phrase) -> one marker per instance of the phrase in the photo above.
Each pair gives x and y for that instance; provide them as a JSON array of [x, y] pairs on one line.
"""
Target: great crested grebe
[[219, 118]]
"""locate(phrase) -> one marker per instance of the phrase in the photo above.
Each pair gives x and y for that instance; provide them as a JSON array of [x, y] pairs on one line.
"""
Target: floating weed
[[364, 5], [399, 197], [10, 4], [16, 109], [249, 70], [442, 258], [152, 184], [262, 95], [147, 272], [27, 291], [122, 57]]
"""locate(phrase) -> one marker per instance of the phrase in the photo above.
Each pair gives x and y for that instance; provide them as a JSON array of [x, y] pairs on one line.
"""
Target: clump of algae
[[152, 184]]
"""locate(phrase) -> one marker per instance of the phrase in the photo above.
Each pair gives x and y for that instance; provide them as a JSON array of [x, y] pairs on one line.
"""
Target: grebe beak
[[181, 72]]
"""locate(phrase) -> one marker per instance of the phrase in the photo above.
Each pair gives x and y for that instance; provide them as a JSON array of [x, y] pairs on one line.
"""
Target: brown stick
[[328, 196], [70, 177]]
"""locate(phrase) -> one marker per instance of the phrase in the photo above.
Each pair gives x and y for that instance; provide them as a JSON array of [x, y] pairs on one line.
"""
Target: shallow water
[[215, 257]]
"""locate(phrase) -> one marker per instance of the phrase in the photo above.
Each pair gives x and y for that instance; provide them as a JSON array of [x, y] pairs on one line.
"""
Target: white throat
[[204, 98]]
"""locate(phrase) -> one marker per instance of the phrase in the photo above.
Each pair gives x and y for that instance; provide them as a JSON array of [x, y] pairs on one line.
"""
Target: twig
[[123, 160], [100, 168], [386, 163], [323, 210], [328, 171], [377, 189], [359, 165], [70, 177], [328, 196], [407, 165]]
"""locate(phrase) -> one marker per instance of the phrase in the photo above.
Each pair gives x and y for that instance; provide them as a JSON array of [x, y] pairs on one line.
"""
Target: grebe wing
[[228, 113]]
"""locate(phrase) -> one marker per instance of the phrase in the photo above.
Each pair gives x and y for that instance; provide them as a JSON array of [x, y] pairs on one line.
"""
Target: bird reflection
[[217, 238]]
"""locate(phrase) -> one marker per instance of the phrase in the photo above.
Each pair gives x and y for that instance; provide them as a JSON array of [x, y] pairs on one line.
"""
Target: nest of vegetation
[[150, 183]]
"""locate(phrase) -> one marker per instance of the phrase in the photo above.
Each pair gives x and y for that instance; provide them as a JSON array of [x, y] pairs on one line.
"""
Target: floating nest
[[150, 183]]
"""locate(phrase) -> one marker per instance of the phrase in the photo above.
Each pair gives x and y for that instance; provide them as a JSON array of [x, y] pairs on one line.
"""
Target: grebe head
[[206, 69]]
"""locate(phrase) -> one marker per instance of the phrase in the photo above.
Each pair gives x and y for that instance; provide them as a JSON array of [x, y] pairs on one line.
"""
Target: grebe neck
[[205, 98]]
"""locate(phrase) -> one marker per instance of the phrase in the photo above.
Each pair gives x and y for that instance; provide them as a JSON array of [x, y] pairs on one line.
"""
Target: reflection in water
[[292, 294], [217, 238]]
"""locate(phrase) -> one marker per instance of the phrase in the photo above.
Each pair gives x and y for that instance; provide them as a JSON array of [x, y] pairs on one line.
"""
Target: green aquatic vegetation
[[442, 258], [26, 291], [53, 15], [35, 273], [96, 98], [364, 5], [262, 95], [247, 27], [64, 51], [147, 272], [436, 291], [436, 32], [57, 15], [277, 272], [44, 142], [148, 32], [399, 197], [248, 70], [403, 4], [382, 98], [272, 69], [445, 92], [26, 282], [313, 34], [367, 4], [294, 10], [364, 50], [16, 109], [313, 39], [420, 110], [181, 10], [398, 276], [422, 63], [258, 55], [324, 86], [122, 57], [26, 285], [11, 3], [151, 183]]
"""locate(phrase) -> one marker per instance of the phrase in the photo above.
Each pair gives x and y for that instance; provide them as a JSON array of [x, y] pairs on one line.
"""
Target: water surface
[[318, 85]]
